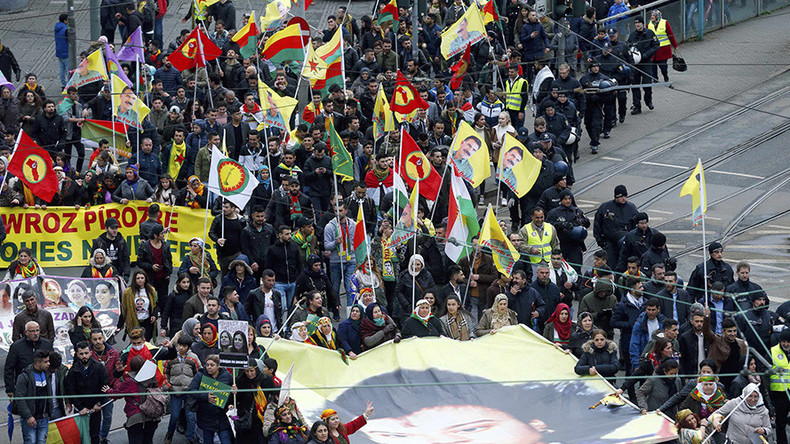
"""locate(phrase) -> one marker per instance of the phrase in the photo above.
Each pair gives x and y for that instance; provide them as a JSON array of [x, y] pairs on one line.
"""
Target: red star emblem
[[313, 66]]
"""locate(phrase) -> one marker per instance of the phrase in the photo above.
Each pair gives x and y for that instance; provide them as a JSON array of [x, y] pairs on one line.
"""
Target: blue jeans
[[37, 434], [225, 436], [344, 271], [158, 31], [106, 420], [64, 71], [178, 403], [287, 292]]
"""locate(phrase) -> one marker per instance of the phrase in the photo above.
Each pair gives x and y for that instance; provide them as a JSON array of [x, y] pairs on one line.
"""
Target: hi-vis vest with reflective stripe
[[541, 243], [780, 382], [660, 31], [514, 96]]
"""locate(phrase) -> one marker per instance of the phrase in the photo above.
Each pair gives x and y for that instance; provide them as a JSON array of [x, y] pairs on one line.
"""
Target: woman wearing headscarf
[[377, 327], [368, 278], [133, 188], [705, 398], [194, 195], [262, 193], [98, 266], [250, 379], [141, 376], [299, 332], [212, 419], [666, 40], [422, 323], [496, 317], [174, 305], [691, 429], [747, 416], [348, 332], [313, 277], [287, 428], [559, 326], [417, 279], [338, 432], [458, 322], [207, 343], [190, 329], [324, 335], [197, 261], [264, 328], [582, 333], [751, 375]]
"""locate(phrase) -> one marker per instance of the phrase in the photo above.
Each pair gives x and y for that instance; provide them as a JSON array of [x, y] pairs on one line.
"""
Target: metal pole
[[95, 16], [137, 111], [415, 38], [701, 19], [72, 32]]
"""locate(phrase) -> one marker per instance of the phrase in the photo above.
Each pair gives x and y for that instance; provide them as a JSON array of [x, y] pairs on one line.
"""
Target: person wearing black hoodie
[[612, 222], [86, 377], [34, 414], [284, 259], [637, 241], [718, 271], [114, 244], [656, 254]]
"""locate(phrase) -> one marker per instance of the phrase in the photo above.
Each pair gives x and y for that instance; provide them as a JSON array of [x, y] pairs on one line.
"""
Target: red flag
[[489, 10], [33, 166], [196, 50], [405, 98], [415, 166], [459, 69]]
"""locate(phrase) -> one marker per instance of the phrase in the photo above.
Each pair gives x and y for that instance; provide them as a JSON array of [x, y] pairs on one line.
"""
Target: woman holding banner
[[98, 266], [24, 266], [210, 408], [138, 305]]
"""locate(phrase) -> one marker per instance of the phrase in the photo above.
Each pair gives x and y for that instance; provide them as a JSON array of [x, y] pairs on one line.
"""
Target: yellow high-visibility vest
[[514, 92], [781, 381], [542, 243], [660, 31]]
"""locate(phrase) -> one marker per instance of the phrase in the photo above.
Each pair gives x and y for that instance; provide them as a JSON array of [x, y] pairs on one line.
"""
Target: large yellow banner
[[62, 236]]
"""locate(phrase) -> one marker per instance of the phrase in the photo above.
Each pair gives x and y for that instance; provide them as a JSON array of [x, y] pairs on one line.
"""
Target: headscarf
[[320, 339], [311, 260], [563, 328], [414, 313], [187, 327], [133, 183], [357, 323], [291, 429], [213, 342], [380, 322], [197, 260], [414, 258], [191, 201], [328, 413], [295, 329], [657, 14], [709, 403], [499, 320], [748, 390], [262, 319]]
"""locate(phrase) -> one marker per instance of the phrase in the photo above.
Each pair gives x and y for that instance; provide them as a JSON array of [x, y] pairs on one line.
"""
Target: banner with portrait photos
[[232, 343], [62, 297]]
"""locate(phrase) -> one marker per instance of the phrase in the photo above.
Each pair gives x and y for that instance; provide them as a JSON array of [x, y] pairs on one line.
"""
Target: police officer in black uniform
[[612, 222], [647, 44], [565, 106], [593, 114], [623, 75], [567, 220]]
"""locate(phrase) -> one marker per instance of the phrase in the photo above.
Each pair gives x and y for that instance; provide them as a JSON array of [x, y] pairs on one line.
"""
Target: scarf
[[191, 200], [633, 300], [29, 270], [29, 86], [211, 343], [296, 331], [96, 273], [327, 341], [305, 244], [267, 182], [290, 430], [320, 274], [295, 208], [30, 199], [748, 390], [563, 328], [457, 328], [709, 403], [381, 174], [196, 261], [499, 320], [415, 315], [358, 322]]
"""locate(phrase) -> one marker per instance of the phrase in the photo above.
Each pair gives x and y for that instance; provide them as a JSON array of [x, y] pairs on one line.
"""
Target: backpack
[[155, 402]]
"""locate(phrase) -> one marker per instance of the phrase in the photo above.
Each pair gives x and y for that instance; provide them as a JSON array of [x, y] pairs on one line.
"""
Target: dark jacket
[[306, 282], [45, 323], [550, 294], [637, 242], [231, 232], [718, 271], [349, 337], [117, 252], [145, 259], [683, 304], [758, 335], [604, 359], [87, 380], [689, 351], [284, 259], [255, 243], [49, 131], [320, 184], [186, 264], [209, 416], [414, 327], [20, 355], [173, 310], [646, 42], [651, 257], [533, 47], [624, 318], [403, 293], [524, 303], [26, 386], [256, 304], [612, 221]]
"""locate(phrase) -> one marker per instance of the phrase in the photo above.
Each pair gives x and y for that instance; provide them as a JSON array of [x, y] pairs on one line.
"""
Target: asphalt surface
[[745, 187]]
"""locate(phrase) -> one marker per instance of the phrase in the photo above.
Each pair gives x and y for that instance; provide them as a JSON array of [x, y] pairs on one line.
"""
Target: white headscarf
[[412, 260], [748, 390], [296, 332]]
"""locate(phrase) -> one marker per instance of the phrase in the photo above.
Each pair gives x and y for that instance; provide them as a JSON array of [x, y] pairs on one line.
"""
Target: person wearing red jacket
[[338, 431]]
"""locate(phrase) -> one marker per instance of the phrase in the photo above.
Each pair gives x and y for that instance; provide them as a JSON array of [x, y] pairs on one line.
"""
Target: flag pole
[[11, 156], [416, 204], [703, 198], [472, 262], [499, 182], [342, 59], [137, 110], [205, 68]]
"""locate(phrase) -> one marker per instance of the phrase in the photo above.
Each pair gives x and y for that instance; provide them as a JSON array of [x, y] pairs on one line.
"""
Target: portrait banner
[[442, 390], [63, 236], [469, 155], [468, 30], [232, 343], [62, 297]]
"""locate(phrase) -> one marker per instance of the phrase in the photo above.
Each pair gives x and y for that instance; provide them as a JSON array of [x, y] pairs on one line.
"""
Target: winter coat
[[128, 386], [256, 305], [255, 243], [604, 359], [186, 264], [320, 184], [124, 191], [145, 259], [717, 271], [403, 293], [41, 316], [683, 304], [636, 243], [533, 47], [719, 348], [301, 312], [20, 355], [61, 40], [579, 337], [524, 303], [372, 335], [180, 374], [83, 380], [202, 351], [612, 221], [26, 386], [247, 284], [349, 337], [640, 337], [484, 327], [414, 327], [624, 318], [744, 420], [284, 259], [656, 391], [209, 416]]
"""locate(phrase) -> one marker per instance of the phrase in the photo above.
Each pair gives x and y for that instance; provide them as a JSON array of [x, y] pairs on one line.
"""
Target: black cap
[[641, 216], [620, 191], [595, 62], [546, 137], [639, 20], [715, 245], [111, 222], [785, 334], [566, 193], [612, 31], [523, 132], [558, 178], [658, 240], [293, 180]]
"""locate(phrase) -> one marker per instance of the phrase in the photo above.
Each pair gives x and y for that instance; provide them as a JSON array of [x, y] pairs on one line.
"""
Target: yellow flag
[[314, 67], [383, 120], [275, 14], [469, 154], [468, 30], [90, 70], [492, 236], [518, 168], [695, 187], [276, 110], [127, 108]]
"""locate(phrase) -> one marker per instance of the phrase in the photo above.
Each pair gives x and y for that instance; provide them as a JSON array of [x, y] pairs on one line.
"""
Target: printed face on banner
[[233, 343], [62, 297]]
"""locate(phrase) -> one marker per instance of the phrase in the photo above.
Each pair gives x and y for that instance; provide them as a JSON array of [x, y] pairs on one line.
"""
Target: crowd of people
[[283, 262]]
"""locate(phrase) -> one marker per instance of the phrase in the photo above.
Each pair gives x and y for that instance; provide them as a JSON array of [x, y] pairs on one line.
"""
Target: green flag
[[342, 164]]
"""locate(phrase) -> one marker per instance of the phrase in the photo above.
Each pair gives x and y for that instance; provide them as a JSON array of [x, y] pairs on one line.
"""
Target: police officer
[[570, 86], [556, 123], [610, 66], [612, 221], [550, 198], [593, 114], [557, 155], [718, 271], [623, 75], [568, 221], [565, 107], [516, 96], [637, 241], [780, 383], [647, 44]]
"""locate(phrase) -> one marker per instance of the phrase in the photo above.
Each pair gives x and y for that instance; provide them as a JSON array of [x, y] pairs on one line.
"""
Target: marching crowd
[[283, 262]]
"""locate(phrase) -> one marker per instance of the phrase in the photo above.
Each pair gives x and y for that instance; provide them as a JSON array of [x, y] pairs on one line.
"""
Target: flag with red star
[[314, 67], [177, 156], [405, 98]]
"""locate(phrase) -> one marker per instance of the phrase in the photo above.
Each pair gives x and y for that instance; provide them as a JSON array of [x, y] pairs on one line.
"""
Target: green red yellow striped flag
[[389, 14], [69, 430], [285, 45], [360, 242], [247, 38]]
